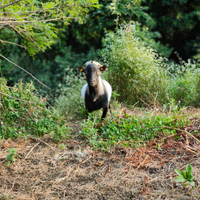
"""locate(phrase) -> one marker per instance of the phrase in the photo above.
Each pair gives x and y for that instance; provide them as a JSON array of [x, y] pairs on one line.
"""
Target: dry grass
[[44, 171], [51, 173]]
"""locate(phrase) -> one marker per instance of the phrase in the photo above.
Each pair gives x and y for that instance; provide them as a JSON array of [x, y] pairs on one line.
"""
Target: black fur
[[101, 102], [94, 98]]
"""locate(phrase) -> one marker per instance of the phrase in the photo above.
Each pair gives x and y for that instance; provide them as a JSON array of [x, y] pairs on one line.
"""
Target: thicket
[[74, 44], [178, 22]]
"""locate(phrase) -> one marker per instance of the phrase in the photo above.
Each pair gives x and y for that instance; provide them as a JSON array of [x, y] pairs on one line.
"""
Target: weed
[[62, 146], [69, 102], [185, 176], [134, 69], [11, 156]]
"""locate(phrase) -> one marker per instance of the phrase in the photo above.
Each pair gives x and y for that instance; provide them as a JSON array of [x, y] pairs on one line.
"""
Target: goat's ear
[[103, 68], [80, 69]]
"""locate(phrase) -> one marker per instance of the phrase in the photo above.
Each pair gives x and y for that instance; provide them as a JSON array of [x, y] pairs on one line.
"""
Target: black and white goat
[[96, 92]]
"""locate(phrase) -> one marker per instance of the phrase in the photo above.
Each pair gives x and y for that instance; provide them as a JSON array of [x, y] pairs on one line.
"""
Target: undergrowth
[[69, 101], [23, 112], [133, 130]]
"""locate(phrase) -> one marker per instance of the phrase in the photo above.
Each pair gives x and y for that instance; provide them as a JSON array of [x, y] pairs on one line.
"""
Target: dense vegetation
[[133, 38]]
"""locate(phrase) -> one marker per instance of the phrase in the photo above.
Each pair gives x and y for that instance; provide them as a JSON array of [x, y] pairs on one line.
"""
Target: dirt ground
[[44, 170]]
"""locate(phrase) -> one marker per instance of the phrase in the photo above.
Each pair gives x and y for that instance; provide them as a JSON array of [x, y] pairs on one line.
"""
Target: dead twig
[[3, 41], [40, 141], [16, 98], [31, 150], [178, 129], [143, 161]]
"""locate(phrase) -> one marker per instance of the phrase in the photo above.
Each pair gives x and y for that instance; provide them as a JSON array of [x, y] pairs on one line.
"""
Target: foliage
[[132, 131], [111, 15], [23, 112], [187, 176], [62, 146], [11, 156], [49, 68], [29, 23], [184, 82], [134, 68], [178, 22], [89, 132]]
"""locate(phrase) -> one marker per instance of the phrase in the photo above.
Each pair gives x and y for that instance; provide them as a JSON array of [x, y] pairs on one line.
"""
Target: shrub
[[134, 68], [23, 112]]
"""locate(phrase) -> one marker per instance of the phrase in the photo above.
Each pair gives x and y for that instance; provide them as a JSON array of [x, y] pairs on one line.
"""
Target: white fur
[[107, 86], [89, 62], [108, 89], [83, 91]]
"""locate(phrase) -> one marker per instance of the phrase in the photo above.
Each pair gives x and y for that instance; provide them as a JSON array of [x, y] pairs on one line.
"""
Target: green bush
[[23, 112], [134, 68]]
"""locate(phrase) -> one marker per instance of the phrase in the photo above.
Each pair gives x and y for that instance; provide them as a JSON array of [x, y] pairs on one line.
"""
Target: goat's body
[[97, 97]]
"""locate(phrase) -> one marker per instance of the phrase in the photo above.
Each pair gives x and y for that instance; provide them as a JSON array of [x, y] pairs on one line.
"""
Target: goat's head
[[92, 71]]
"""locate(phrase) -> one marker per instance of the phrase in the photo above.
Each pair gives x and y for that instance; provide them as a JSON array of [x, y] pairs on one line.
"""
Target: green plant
[[185, 176], [133, 131], [184, 83], [24, 112], [69, 101], [62, 146], [11, 156], [136, 67], [34, 36]]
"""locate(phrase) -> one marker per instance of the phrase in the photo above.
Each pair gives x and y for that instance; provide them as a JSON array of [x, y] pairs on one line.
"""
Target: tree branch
[[24, 71], [9, 4], [16, 98], [26, 21], [13, 43]]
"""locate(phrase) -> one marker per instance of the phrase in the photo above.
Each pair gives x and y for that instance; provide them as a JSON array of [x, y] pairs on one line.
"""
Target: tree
[[178, 21], [31, 25]]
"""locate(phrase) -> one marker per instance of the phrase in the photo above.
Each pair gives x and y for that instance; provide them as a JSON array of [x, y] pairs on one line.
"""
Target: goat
[[96, 92]]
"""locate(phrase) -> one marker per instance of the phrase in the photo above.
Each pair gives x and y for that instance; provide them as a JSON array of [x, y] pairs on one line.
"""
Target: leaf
[[188, 171], [180, 179], [191, 183], [9, 157], [191, 178], [179, 172]]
